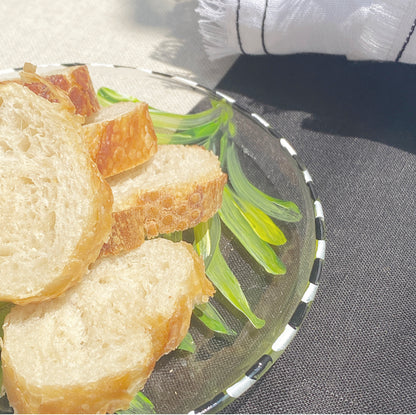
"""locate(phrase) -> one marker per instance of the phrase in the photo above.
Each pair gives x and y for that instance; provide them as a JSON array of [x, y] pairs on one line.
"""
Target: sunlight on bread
[[55, 206], [98, 297], [92, 349]]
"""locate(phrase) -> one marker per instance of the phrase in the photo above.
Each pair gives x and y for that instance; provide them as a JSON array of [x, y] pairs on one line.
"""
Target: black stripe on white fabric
[[406, 42], [237, 27], [263, 42]]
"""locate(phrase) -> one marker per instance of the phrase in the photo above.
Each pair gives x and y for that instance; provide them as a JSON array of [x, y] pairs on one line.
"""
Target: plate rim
[[267, 360]]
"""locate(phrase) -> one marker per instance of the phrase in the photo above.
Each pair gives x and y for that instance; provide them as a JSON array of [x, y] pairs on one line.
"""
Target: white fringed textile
[[358, 29]]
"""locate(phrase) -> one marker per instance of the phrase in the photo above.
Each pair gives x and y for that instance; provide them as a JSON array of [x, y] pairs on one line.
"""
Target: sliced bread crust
[[179, 187], [76, 82], [56, 212], [72, 84], [91, 349], [127, 232], [120, 137]]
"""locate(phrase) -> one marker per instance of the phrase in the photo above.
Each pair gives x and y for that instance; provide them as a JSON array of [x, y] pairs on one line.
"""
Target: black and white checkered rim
[[278, 347]]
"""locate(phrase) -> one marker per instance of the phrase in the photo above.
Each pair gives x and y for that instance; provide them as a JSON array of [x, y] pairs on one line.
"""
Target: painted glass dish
[[269, 235]]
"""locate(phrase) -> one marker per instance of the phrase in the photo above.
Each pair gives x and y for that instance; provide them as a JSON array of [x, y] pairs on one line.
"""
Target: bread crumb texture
[[77, 83], [179, 187], [92, 348], [55, 206], [120, 137]]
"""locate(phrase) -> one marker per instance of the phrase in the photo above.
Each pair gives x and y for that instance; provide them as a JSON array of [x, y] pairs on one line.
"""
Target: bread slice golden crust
[[76, 82], [120, 137], [104, 396], [178, 188], [43, 88], [127, 232], [71, 87], [57, 209], [91, 349]]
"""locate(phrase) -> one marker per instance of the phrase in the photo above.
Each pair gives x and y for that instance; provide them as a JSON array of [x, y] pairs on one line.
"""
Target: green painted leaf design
[[225, 281], [206, 238], [187, 344], [139, 405], [191, 136], [176, 128], [261, 223], [4, 310], [279, 209], [107, 96], [173, 236], [211, 317], [260, 250]]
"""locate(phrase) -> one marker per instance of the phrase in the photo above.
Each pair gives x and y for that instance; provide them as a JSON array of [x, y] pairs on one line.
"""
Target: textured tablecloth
[[161, 35], [354, 126]]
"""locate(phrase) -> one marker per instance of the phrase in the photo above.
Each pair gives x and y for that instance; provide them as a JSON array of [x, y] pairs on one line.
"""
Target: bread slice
[[76, 82], [42, 87], [72, 87], [120, 137], [127, 232], [91, 349], [179, 187], [56, 209]]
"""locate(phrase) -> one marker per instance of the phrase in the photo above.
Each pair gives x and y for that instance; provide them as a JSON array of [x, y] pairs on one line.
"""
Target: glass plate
[[223, 367]]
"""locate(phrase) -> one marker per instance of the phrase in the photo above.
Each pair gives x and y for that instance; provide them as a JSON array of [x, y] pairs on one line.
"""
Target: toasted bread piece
[[92, 349], [44, 88], [179, 187], [76, 82], [120, 137], [71, 87], [127, 232], [56, 209]]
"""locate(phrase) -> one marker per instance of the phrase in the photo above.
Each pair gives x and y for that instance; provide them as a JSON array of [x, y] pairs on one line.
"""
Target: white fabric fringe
[[217, 37], [358, 29]]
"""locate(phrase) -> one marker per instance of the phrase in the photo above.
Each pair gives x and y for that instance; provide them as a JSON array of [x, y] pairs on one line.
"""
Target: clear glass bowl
[[223, 367]]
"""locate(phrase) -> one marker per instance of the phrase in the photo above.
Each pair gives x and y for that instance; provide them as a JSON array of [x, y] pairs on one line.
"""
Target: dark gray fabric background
[[354, 126]]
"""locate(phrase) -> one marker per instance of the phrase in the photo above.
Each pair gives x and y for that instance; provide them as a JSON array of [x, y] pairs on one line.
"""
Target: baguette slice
[[72, 84], [127, 232], [120, 137], [179, 187], [44, 88], [76, 82], [92, 349], [56, 209]]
